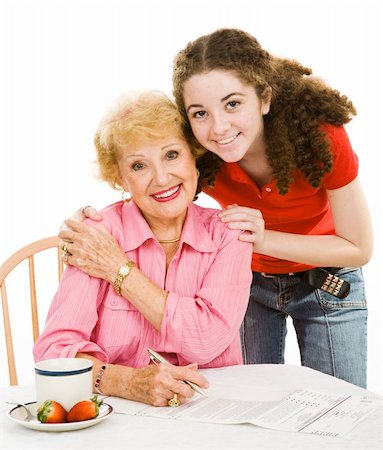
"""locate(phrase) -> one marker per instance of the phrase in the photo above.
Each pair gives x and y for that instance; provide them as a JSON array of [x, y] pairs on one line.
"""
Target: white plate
[[18, 415]]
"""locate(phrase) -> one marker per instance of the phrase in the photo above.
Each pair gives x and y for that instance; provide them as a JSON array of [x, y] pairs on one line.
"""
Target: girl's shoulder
[[345, 162], [337, 135]]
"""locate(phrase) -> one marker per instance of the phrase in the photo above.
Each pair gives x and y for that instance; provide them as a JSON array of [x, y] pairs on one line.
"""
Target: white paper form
[[202, 409], [318, 413], [344, 416], [212, 410], [304, 411]]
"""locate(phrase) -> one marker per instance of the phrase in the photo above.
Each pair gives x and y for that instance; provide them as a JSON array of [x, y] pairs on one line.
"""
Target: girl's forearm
[[320, 251]]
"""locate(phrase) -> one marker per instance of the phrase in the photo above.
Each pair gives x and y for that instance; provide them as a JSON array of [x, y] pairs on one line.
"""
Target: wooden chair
[[26, 253]]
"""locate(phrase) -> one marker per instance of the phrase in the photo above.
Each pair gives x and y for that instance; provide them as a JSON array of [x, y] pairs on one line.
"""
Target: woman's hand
[[246, 219], [157, 384], [153, 384], [92, 249]]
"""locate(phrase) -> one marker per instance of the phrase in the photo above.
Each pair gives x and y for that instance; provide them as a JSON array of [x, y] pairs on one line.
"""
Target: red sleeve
[[345, 161]]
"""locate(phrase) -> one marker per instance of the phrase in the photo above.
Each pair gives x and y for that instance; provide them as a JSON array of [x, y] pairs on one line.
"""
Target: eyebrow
[[143, 156], [223, 99], [134, 156], [169, 145]]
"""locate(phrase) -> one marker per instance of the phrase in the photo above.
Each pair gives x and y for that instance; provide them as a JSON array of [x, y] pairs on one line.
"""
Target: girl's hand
[[87, 212], [92, 249], [247, 219], [156, 385]]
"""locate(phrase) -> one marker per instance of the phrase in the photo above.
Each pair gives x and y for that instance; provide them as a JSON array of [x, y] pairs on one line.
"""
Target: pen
[[156, 358]]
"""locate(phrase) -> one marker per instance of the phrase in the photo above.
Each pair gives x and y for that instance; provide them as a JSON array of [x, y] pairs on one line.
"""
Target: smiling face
[[161, 177], [225, 114]]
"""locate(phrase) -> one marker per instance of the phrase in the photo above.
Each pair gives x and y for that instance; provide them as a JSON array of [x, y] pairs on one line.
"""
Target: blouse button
[[268, 189], [114, 302]]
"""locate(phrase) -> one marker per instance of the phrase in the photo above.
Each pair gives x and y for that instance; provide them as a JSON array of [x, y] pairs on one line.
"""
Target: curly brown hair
[[300, 104]]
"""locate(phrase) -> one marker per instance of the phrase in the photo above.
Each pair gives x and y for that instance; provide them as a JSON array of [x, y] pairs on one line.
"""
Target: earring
[[127, 198]]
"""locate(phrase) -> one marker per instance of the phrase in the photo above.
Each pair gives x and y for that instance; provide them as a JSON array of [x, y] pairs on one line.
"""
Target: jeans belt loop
[[270, 275], [267, 275]]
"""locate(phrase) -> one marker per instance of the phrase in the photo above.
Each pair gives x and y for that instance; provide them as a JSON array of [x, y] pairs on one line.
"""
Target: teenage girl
[[278, 148]]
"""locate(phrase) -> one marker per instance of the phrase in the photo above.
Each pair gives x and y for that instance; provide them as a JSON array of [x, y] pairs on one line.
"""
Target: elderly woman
[[157, 272]]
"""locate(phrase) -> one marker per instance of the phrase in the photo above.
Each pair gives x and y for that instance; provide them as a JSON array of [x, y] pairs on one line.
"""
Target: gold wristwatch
[[122, 273]]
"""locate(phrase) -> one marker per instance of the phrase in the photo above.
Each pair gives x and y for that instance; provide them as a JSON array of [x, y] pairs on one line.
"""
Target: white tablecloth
[[132, 432]]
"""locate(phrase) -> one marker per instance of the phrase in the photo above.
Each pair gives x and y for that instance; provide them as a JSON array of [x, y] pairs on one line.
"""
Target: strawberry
[[84, 410], [51, 412]]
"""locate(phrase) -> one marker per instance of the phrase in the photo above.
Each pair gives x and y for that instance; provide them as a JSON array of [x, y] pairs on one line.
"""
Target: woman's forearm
[[96, 252], [114, 380], [146, 296], [122, 381]]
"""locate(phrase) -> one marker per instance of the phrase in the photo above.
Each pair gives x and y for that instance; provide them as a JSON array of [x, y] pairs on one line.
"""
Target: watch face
[[124, 270]]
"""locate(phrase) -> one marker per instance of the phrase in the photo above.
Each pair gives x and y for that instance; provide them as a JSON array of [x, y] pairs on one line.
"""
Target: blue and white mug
[[65, 380]]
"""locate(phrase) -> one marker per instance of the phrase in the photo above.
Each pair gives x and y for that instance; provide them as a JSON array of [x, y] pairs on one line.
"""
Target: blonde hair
[[133, 118]]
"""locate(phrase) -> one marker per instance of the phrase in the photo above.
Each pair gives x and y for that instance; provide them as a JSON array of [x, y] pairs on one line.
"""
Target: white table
[[132, 432]]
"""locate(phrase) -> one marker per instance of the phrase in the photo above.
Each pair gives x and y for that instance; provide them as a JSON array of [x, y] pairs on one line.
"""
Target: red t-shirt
[[303, 210]]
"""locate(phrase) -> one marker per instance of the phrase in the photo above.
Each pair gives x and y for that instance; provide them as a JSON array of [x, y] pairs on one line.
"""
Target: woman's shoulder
[[210, 220], [204, 214], [113, 209]]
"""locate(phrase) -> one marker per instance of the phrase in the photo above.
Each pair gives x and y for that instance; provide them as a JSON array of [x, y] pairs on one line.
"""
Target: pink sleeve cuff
[[70, 351]]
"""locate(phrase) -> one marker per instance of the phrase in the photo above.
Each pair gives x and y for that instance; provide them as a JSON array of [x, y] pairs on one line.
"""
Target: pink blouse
[[208, 281]]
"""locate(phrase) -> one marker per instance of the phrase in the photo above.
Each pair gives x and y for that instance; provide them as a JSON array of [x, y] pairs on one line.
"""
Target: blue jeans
[[331, 332]]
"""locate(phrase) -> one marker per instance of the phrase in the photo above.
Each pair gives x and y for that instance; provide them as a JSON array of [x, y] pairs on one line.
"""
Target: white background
[[62, 61]]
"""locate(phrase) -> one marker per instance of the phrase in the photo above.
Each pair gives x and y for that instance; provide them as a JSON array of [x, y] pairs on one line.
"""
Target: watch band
[[122, 273]]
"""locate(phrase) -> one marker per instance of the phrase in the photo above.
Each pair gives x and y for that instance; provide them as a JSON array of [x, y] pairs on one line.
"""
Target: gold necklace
[[169, 241]]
